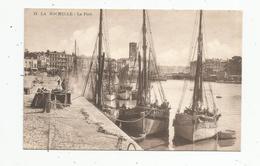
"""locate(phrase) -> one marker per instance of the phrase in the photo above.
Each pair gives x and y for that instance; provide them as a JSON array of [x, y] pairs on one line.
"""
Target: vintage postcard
[[165, 80]]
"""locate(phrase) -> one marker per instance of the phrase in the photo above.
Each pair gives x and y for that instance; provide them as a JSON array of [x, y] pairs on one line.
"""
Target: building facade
[[48, 61], [212, 68], [59, 61], [42, 61], [30, 61]]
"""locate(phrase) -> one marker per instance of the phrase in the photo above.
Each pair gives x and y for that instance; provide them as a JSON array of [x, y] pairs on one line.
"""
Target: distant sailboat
[[197, 122]]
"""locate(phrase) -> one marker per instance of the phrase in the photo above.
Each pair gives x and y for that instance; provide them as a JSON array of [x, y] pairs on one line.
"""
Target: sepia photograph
[[132, 79]]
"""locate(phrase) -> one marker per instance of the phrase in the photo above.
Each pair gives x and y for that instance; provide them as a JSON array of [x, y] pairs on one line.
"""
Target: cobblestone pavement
[[75, 128]]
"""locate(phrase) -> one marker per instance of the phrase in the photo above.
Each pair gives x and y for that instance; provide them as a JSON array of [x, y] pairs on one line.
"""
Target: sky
[[172, 32]]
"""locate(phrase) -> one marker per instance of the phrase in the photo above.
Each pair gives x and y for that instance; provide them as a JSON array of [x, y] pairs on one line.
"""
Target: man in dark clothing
[[63, 85]]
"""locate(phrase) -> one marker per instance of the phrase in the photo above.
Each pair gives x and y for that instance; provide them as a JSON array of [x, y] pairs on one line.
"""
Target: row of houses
[[218, 69], [48, 61], [51, 61], [210, 66]]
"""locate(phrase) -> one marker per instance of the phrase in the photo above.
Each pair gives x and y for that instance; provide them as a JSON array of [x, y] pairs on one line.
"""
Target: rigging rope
[[90, 67], [192, 52], [155, 94], [206, 56], [107, 50], [194, 41], [154, 53], [93, 60], [106, 36], [212, 95], [159, 89], [205, 95]]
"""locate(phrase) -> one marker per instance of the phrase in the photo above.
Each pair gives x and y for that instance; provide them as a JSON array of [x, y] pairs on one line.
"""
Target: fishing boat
[[97, 88], [226, 134], [198, 121], [147, 117], [94, 80]]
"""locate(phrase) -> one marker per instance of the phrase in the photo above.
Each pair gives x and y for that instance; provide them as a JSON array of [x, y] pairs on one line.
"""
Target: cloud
[[179, 56], [172, 31], [85, 41], [217, 49]]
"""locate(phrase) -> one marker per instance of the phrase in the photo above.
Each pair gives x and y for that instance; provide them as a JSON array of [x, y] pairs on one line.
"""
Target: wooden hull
[[147, 126], [146, 122], [187, 127], [156, 126]]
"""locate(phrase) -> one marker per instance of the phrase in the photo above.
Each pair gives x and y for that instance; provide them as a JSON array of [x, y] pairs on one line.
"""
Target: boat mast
[[109, 76], [99, 81], [75, 47], [144, 58], [75, 61], [197, 93], [140, 81], [149, 77]]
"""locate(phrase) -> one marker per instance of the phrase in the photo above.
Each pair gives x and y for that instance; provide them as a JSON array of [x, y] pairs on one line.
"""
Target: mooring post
[[55, 102], [65, 100], [44, 105], [143, 121], [119, 143], [48, 102]]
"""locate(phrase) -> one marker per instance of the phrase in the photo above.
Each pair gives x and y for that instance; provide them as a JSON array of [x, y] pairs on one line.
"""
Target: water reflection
[[209, 144], [226, 143]]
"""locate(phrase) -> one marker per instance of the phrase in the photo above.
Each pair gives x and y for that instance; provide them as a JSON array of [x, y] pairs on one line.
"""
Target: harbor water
[[228, 104], [228, 101]]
